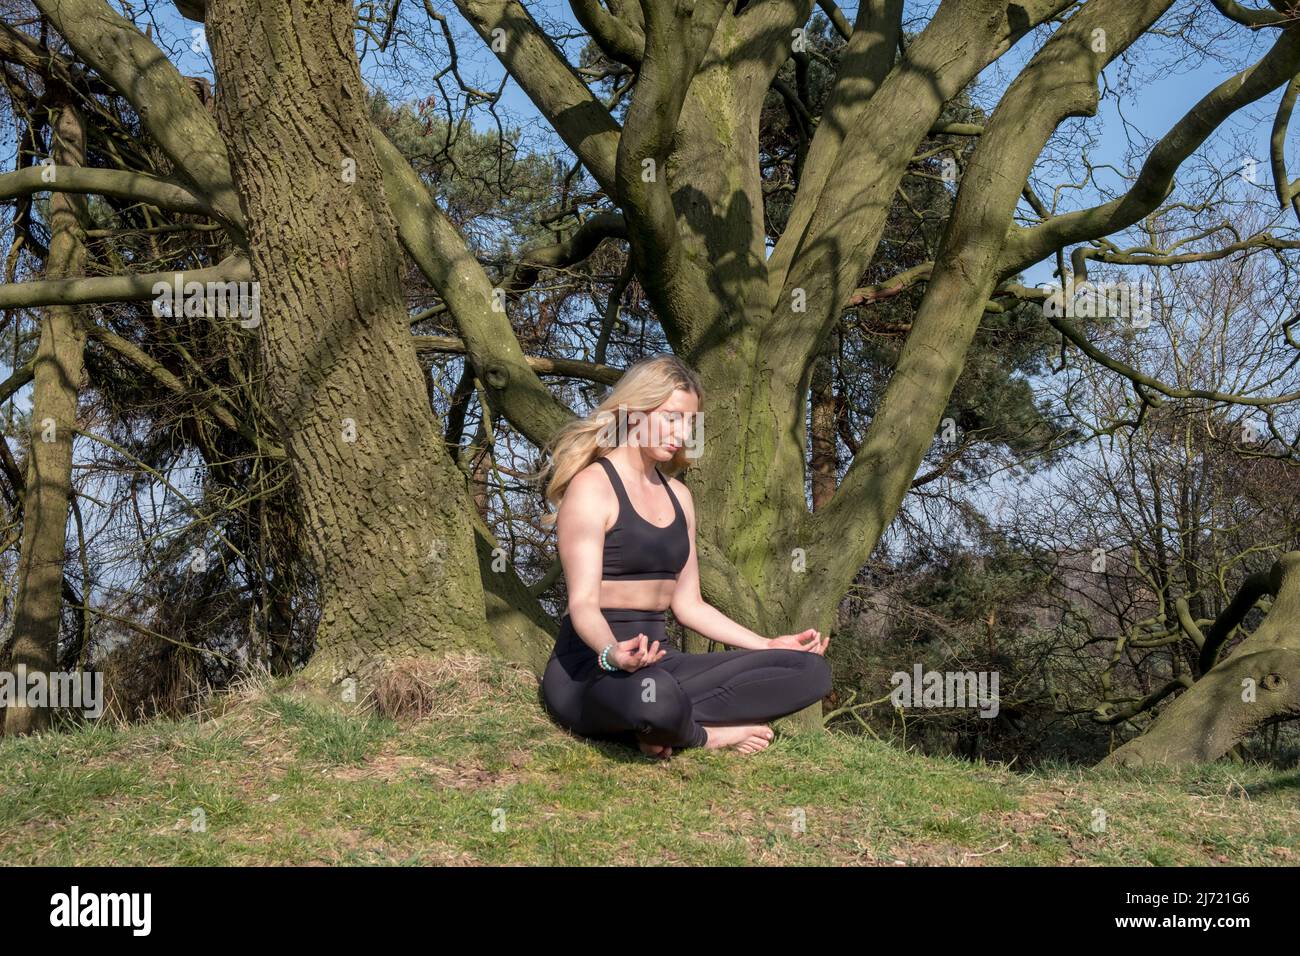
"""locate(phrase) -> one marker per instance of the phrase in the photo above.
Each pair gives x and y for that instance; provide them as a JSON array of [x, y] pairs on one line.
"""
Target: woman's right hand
[[633, 654]]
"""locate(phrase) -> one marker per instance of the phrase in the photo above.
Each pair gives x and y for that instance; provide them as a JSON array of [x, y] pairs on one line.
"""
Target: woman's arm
[[580, 529], [689, 607]]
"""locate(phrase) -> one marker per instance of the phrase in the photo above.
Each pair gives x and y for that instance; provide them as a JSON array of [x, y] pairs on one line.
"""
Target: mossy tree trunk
[[48, 490], [188, 135], [756, 325], [386, 512], [1257, 685]]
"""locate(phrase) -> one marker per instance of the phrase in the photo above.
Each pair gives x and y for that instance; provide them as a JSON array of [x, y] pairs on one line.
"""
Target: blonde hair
[[643, 387]]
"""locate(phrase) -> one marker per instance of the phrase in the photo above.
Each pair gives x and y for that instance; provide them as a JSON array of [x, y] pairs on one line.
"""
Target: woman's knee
[[821, 675], [660, 702], [814, 671], [563, 702], [649, 696]]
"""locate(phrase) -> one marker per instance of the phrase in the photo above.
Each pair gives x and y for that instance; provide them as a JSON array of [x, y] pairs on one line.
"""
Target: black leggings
[[670, 702]]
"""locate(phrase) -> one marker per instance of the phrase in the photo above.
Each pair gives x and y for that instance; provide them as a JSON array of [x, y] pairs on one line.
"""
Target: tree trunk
[[387, 515], [39, 605], [1257, 686], [825, 463]]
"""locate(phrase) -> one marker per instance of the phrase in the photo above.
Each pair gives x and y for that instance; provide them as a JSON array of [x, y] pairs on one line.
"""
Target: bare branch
[[214, 408], [1135, 376], [555, 88], [128, 288], [568, 368], [137, 187], [1024, 247], [166, 103]]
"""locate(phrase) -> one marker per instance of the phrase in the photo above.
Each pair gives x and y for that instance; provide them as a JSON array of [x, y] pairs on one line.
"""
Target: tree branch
[[1249, 17], [568, 368], [1025, 247], [441, 253], [1059, 81], [578, 247], [100, 289], [1072, 333], [1286, 190], [875, 117], [618, 39], [214, 409], [555, 88], [136, 187], [167, 105], [676, 39], [1252, 589]]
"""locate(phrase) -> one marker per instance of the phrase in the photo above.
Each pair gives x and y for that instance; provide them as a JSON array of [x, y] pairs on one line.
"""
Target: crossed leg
[[749, 685], [672, 702]]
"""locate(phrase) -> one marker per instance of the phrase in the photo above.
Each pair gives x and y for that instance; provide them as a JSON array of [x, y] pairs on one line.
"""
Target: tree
[[681, 177], [48, 486]]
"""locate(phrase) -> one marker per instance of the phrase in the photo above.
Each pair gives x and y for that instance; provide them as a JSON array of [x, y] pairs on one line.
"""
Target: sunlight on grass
[[279, 778]]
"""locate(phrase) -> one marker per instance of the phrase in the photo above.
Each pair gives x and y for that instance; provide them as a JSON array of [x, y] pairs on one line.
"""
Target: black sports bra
[[635, 549]]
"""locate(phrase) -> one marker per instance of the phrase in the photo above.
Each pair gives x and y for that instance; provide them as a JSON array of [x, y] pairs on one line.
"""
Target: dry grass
[[418, 688]]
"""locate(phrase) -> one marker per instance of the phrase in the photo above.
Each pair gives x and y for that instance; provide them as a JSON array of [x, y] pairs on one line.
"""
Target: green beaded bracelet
[[604, 664]]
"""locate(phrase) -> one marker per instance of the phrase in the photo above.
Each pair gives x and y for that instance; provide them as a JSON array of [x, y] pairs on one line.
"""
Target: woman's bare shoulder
[[680, 489], [591, 476], [677, 483], [589, 488]]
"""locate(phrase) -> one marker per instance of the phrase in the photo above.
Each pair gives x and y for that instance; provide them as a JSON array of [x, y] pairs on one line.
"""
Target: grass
[[280, 777]]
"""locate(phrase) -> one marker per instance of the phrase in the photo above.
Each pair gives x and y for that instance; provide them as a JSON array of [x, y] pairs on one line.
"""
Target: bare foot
[[655, 750], [746, 738]]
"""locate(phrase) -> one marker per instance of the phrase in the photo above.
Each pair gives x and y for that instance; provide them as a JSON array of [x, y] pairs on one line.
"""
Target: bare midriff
[[655, 594]]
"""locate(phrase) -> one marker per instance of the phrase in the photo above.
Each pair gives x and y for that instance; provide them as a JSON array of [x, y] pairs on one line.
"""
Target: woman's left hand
[[809, 640]]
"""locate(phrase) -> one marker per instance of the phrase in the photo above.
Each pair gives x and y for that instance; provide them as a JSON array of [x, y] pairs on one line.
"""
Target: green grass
[[282, 778]]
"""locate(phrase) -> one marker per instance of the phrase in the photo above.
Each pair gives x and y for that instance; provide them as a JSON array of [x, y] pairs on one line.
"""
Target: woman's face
[[668, 428]]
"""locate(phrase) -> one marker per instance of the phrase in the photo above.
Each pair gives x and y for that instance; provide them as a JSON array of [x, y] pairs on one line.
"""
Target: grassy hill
[[272, 775]]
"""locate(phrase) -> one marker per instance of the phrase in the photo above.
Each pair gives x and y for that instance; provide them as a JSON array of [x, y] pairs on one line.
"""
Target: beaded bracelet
[[604, 664]]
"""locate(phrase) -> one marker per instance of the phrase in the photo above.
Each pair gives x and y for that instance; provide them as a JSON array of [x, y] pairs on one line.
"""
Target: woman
[[626, 536]]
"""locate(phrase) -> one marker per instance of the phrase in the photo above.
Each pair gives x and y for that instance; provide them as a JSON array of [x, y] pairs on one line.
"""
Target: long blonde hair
[[643, 387]]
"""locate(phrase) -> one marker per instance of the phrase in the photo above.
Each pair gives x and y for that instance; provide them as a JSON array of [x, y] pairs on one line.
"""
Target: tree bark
[[39, 604], [1258, 685], [824, 460], [386, 511]]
